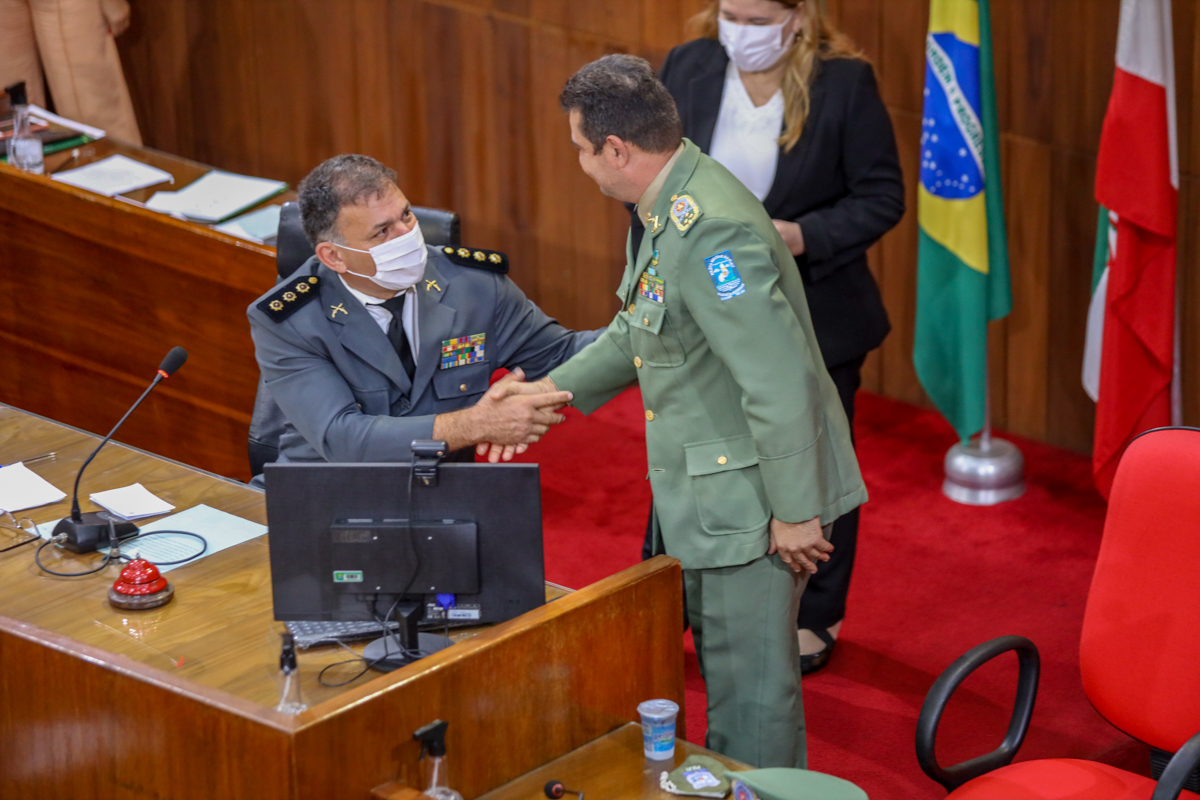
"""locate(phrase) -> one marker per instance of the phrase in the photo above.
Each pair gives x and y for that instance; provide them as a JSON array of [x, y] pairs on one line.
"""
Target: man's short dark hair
[[341, 181], [619, 95]]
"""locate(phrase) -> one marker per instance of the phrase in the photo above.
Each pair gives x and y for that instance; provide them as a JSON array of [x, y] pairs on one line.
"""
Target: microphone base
[[91, 532]]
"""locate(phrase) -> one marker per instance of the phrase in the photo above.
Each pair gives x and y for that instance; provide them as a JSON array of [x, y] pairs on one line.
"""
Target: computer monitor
[[459, 543]]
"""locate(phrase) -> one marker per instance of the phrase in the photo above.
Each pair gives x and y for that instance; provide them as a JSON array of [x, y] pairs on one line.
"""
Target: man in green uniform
[[748, 446]]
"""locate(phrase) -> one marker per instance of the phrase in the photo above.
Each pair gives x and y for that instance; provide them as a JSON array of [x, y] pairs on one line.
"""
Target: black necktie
[[637, 231], [396, 334]]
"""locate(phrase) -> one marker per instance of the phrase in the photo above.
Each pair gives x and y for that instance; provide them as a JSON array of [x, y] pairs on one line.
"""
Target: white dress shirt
[[383, 317], [746, 139]]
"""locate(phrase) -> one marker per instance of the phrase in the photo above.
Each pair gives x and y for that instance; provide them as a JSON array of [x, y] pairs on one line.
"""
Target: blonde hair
[[818, 40]]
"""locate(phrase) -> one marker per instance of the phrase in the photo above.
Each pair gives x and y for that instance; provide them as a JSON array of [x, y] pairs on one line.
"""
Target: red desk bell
[[140, 586]]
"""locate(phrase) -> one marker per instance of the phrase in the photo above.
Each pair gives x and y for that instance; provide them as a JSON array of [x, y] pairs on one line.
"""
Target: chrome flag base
[[985, 472]]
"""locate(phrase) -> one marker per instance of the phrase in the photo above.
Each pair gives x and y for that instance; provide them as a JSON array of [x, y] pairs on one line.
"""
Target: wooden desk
[[97, 289], [177, 702]]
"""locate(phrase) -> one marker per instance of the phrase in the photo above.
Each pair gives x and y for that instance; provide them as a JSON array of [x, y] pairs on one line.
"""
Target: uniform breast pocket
[[653, 336], [468, 380], [727, 486]]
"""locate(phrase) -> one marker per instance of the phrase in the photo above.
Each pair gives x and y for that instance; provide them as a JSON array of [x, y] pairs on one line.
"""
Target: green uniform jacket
[[742, 420]]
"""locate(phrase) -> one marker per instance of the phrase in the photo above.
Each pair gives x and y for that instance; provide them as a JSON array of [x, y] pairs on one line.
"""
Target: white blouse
[[746, 139]]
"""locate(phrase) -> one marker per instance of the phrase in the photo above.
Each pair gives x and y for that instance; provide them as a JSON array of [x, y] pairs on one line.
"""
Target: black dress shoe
[[815, 661]]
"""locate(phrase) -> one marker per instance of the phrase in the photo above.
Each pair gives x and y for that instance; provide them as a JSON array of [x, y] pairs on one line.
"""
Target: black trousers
[[824, 600]]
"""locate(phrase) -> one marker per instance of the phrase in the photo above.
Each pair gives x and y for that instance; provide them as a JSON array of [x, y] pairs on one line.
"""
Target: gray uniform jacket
[[339, 382]]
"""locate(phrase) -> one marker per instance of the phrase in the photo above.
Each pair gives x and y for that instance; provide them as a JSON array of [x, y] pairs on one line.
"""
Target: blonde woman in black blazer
[[837, 189]]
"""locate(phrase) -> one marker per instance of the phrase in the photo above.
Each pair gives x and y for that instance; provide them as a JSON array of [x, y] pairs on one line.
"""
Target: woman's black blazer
[[841, 182]]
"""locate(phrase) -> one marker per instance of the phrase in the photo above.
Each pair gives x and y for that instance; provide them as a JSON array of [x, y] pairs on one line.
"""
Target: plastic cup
[[658, 728]]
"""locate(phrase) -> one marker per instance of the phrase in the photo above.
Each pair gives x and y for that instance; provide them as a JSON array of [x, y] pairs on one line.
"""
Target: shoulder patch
[[684, 211], [491, 260], [725, 276], [288, 297]]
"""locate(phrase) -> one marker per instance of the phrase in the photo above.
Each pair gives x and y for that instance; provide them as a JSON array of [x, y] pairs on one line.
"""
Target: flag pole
[[985, 471]]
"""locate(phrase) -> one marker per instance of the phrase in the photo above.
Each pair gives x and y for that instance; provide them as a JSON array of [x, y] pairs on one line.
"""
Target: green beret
[[791, 784]]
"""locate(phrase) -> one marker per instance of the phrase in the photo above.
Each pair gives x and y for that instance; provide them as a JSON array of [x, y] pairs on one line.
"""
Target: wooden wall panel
[[460, 96]]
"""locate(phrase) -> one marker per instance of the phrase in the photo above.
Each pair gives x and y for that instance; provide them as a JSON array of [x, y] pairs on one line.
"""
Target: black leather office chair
[[292, 249]]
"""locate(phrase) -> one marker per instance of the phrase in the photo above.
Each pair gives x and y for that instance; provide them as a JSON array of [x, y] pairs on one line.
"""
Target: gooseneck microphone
[[84, 533]]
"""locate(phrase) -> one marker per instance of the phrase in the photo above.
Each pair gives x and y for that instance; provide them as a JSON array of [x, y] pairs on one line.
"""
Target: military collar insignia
[[684, 211], [490, 260], [288, 297], [432, 284], [333, 311]]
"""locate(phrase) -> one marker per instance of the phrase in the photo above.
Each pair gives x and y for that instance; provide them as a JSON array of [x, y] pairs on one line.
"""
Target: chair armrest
[[1178, 770], [945, 686]]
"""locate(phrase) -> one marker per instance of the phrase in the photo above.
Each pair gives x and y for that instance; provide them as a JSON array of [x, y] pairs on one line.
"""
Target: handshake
[[510, 416]]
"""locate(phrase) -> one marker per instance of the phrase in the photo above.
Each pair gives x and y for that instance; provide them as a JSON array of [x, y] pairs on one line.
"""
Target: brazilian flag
[[962, 263]]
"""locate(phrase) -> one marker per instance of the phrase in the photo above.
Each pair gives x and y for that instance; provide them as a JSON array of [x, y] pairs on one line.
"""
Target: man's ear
[[331, 258], [617, 151]]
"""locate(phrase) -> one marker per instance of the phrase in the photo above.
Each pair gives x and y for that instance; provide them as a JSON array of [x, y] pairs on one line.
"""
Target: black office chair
[[292, 249]]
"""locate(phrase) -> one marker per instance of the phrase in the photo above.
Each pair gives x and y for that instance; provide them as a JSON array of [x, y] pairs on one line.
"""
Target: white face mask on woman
[[399, 262], [754, 48]]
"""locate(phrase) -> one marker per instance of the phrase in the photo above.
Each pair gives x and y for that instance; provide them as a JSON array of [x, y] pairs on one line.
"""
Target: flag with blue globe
[[962, 263]]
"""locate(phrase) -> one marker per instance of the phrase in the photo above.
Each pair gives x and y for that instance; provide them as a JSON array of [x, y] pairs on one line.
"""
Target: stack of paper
[[132, 502], [215, 197], [22, 488], [114, 175]]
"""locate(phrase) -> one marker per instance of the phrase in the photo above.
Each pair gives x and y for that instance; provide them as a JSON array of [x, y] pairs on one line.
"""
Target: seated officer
[[379, 340]]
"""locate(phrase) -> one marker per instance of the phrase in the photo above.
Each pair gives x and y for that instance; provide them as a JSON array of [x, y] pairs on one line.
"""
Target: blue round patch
[[949, 167]]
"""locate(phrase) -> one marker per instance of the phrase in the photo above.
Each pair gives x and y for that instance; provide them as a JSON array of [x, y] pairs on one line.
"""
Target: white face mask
[[754, 48], [399, 262]]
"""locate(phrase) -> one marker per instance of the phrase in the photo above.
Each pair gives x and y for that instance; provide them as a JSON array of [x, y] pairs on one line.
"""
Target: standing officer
[[748, 446], [379, 340]]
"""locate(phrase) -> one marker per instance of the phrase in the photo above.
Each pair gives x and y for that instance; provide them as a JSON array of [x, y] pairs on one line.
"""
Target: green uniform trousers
[[743, 620]]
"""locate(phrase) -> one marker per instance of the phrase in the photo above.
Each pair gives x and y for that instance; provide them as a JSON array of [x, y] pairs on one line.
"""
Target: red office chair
[[1146, 587]]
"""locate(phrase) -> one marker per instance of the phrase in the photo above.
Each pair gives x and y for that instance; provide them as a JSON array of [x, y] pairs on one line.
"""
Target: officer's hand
[[514, 383], [799, 544], [500, 452], [509, 419]]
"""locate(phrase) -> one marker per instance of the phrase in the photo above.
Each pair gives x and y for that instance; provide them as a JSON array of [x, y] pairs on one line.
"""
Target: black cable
[[141, 536], [33, 538], [383, 623], [108, 557]]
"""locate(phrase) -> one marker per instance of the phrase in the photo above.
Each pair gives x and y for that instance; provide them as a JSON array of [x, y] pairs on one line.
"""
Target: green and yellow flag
[[962, 262]]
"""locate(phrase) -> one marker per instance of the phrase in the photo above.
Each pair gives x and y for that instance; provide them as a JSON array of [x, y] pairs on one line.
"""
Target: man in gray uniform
[[379, 340]]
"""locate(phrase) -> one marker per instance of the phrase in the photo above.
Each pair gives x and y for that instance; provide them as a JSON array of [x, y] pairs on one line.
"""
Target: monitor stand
[[407, 644]]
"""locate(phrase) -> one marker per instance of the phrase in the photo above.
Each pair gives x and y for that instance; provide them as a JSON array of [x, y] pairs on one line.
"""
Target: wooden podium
[[177, 702], [96, 291]]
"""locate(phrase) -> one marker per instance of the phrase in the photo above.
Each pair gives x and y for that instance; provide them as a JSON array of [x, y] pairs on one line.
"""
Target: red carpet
[[933, 579]]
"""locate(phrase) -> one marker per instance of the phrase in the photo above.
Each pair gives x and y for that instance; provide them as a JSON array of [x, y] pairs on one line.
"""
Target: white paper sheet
[[257, 226], [22, 488], [218, 195], [220, 529], [114, 175], [45, 116], [132, 502], [166, 203]]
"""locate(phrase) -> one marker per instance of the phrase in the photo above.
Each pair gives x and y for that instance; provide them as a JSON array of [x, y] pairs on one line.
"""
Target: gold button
[[632, 308], [649, 415], [462, 387], [722, 460], [645, 320], [637, 361]]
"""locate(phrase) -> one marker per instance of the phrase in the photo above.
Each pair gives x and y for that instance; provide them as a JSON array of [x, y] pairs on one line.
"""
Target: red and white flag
[[1131, 363]]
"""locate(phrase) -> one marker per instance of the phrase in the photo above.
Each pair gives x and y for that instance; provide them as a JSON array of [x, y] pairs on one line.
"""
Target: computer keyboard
[[308, 633]]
